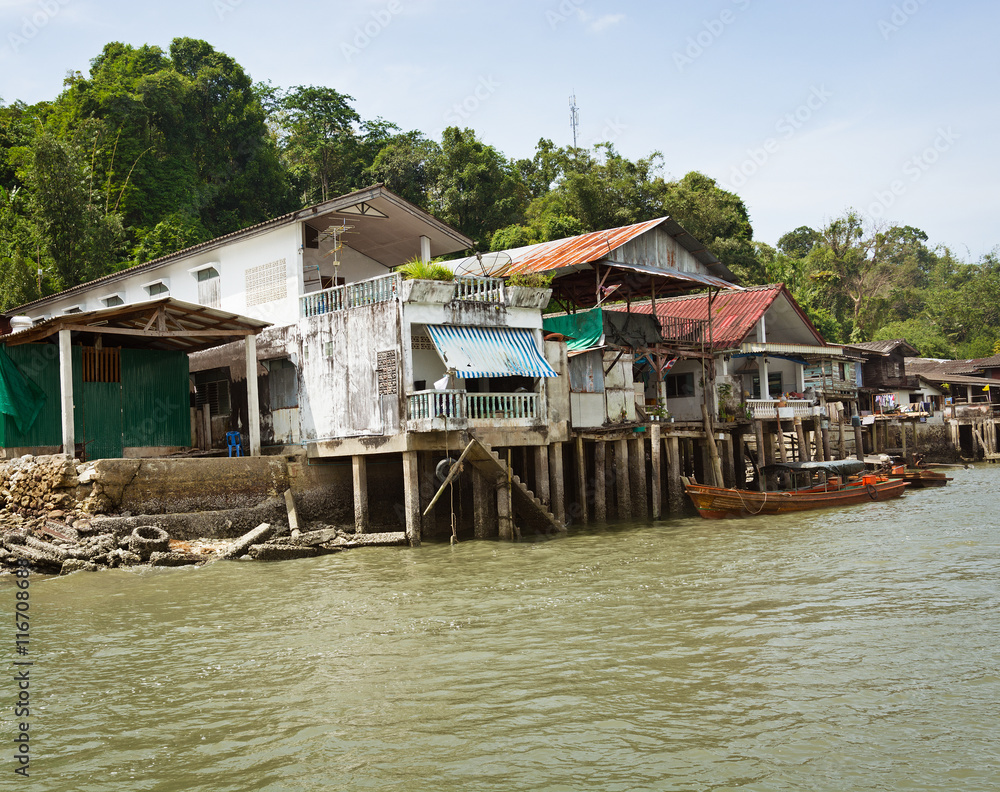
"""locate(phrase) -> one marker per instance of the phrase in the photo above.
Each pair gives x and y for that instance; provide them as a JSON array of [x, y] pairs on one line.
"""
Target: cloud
[[602, 23]]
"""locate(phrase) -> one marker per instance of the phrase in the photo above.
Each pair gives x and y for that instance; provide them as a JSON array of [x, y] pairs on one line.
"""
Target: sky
[[804, 109]]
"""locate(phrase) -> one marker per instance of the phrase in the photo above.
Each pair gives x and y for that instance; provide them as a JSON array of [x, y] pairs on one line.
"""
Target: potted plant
[[426, 281], [529, 289]]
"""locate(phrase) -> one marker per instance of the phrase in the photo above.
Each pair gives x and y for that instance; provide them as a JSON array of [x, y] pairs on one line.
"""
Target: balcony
[[387, 288], [434, 410], [767, 409]]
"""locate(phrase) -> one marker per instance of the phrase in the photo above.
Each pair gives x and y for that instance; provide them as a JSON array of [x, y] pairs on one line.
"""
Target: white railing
[[477, 289], [338, 298], [458, 405], [768, 408]]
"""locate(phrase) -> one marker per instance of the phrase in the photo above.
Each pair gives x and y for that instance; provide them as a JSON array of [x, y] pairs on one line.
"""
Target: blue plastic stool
[[233, 440]]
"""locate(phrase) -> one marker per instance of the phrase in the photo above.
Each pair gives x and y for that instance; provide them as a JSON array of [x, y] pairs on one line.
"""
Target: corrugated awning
[[489, 351]]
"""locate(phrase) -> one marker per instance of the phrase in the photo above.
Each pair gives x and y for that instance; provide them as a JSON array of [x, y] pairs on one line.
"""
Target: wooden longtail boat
[[919, 478], [799, 486]]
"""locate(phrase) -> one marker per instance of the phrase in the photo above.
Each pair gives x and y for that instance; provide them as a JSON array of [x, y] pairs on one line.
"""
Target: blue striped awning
[[489, 351]]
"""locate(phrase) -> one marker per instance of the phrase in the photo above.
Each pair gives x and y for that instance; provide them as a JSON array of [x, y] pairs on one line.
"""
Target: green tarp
[[20, 398], [585, 329]]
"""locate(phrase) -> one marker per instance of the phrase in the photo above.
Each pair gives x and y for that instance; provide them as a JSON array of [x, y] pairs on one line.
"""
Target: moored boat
[[796, 486], [919, 478]]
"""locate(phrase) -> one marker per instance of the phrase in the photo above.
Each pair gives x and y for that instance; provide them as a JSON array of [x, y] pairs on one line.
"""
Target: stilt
[[902, 435], [728, 475], [637, 478], [758, 427], [739, 458], [581, 481], [782, 451], [484, 516], [656, 488], [557, 486], [817, 433], [542, 475], [713, 451], [841, 439], [505, 518], [600, 481], [411, 497], [859, 443], [623, 491], [827, 451], [429, 523], [675, 490], [359, 468], [803, 445]]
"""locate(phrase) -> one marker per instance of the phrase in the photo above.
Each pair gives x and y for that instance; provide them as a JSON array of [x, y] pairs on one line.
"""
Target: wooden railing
[[692, 332]]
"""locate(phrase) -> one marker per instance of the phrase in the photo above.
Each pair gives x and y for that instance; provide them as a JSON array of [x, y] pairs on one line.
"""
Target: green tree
[[408, 165]]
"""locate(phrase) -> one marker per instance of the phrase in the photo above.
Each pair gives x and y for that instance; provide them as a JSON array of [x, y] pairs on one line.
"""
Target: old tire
[[148, 539]]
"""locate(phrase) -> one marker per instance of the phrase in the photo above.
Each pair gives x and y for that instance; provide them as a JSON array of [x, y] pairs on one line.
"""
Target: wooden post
[[411, 497], [827, 451], [675, 490], [253, 400], [782, 451], [600, 481], [206, 426], [359, 468], [859, 443], [841, 439], [581, 480], [656, 489], [713, 451], [542, 475], [739, 458], [66, 392], [902, 435], [623, 491], [558, 482], [728, 474], [758, 427], [803, 446], [637, 478], [817, 433]]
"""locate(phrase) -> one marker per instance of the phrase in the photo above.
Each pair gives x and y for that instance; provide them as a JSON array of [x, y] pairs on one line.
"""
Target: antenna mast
[[574, 117]]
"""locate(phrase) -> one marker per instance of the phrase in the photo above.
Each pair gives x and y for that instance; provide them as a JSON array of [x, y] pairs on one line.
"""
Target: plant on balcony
[[533, 280], [418, 269]]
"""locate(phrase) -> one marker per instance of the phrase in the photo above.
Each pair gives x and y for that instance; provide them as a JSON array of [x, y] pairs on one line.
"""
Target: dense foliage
[[154, 151]]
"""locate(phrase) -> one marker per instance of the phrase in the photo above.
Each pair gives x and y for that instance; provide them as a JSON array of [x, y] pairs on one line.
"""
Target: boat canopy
[[836, 467]]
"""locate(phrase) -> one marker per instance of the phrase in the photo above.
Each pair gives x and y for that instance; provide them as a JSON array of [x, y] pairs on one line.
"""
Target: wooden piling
[[623, 491], [758, 426], [675, 490], [859, 443], [600, 481], [800, 432], [656, 488], [713, 450], [637, 478], [558, 482], [782, 450], [581, 480]]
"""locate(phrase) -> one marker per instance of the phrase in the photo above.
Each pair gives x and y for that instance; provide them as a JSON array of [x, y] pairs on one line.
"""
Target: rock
[[176, 559], [77, 565]]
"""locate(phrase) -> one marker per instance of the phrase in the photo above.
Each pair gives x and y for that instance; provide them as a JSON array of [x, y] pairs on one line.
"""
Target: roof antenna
[[574, 117]]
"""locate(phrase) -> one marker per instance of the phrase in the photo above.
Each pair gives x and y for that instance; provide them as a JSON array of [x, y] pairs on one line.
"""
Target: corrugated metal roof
[[885, 347], [489, 351], [734, 313]]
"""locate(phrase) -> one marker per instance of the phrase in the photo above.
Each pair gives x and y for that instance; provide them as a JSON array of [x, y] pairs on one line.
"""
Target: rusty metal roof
[[734, 313], [885, 347]]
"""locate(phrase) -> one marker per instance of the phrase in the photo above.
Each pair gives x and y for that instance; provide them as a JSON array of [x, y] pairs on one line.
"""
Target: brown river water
[[848, 649]]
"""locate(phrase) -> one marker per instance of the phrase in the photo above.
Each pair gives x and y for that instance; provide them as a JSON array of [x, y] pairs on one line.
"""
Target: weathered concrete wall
[[163, 486], [324, 490]]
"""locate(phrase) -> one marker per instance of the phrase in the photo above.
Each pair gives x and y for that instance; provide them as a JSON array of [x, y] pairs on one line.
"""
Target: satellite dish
[[485, 265]]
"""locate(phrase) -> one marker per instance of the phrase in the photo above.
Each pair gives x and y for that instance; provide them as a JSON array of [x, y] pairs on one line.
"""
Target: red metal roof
[[734, 313]]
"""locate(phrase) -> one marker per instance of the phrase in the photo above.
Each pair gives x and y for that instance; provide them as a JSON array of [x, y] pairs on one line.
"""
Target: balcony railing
[[686, 332], [387, 287], [339, 298], [767, 409], [459, 406]]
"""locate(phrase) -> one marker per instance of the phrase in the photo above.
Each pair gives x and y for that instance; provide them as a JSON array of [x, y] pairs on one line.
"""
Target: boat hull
[[721, 502], [919, 479]]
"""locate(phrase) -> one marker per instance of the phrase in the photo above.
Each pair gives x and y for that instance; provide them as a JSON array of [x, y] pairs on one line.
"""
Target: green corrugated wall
[[150, 407], [155, 398]]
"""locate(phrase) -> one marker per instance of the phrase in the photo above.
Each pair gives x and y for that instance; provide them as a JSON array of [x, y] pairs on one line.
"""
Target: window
[[679, 385], [212, 388], [113, 300], [773, 386], [842, 368], [208, 287], [282, 384], [156, 289]]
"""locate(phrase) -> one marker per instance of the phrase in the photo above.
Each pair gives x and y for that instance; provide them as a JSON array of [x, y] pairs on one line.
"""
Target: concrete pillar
[[600, 481], [581, 481], [557, 482], [637, 478], [359, 468], [411, 497], [505, 516], [66, 391], [484, 514], [253, 400], [623, 493], [428, 487], [656, 479], [542, 475], [675, 490]]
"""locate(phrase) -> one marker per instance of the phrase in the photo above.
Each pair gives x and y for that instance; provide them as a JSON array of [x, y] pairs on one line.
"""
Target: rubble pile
[[50, 509]]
